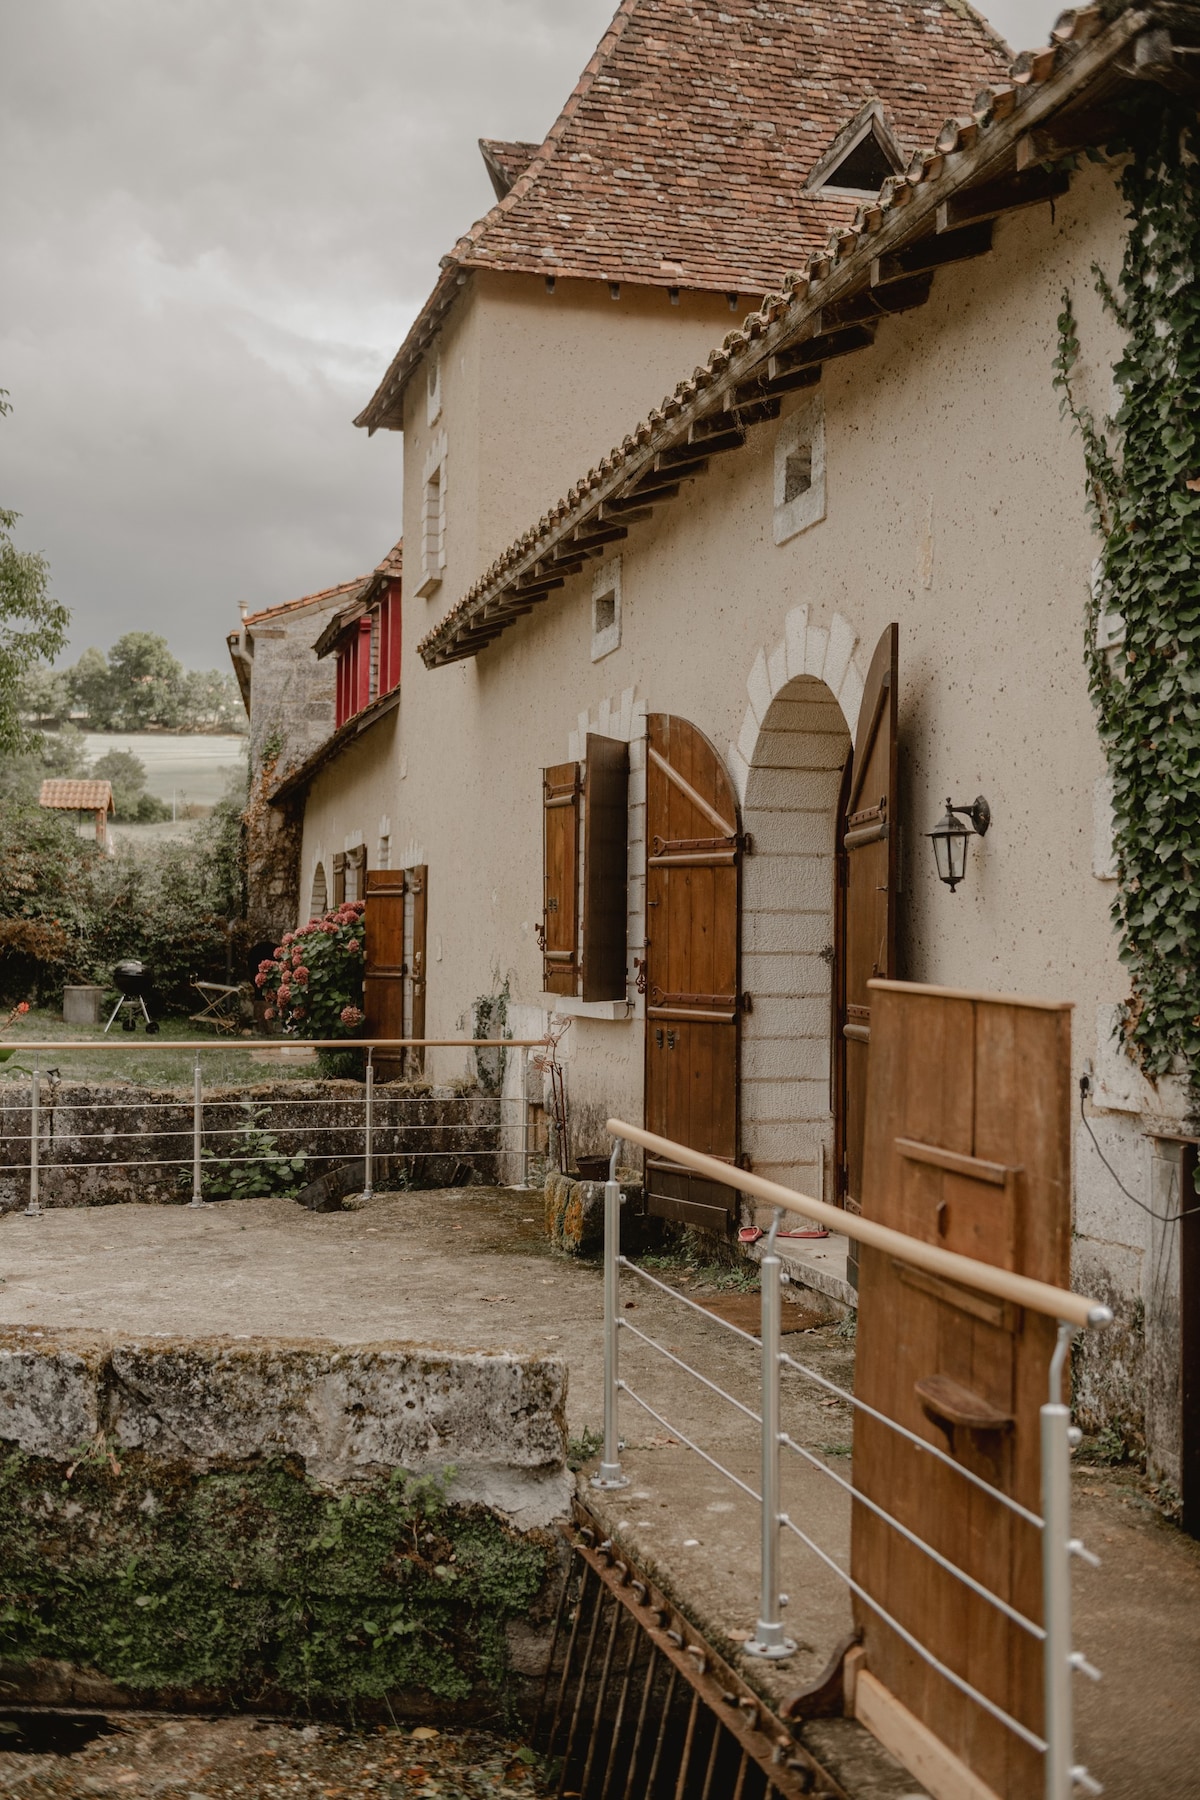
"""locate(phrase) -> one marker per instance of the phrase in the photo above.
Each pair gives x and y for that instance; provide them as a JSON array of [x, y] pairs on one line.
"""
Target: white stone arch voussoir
[[828, 653]]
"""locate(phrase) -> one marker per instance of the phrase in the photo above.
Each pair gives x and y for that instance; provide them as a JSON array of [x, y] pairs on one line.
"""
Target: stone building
[[289, 699]]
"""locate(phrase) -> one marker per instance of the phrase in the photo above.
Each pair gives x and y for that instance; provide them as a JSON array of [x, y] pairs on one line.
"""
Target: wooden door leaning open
[[967, 1147]]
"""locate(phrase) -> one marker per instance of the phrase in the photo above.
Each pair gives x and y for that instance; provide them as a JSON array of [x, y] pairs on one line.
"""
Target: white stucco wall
[[954, 505]]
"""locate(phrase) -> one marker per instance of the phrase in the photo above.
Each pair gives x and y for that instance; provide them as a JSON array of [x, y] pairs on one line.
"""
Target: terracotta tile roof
[[938, 211], [81, 796], [289, 606], [388, 570], [506, 161], [680, 158]]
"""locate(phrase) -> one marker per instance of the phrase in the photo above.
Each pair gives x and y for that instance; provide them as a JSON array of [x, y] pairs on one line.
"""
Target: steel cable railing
[[457, 1131], [1071, 1311]]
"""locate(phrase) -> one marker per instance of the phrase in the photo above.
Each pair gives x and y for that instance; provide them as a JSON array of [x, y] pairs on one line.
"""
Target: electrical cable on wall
[[1085, 1084]]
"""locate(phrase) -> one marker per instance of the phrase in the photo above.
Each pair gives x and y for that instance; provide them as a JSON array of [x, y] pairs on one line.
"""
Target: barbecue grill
[[134, 982]]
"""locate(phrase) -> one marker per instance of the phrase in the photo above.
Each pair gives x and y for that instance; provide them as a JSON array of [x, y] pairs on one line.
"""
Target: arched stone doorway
[[788, 762]]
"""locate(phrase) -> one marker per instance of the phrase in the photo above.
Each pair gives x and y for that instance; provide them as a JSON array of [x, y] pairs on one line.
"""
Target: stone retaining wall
[[277, 1523], [433, 1136]]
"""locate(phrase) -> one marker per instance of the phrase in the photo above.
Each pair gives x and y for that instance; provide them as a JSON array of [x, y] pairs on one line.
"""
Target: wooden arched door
[[693, 1001], [868, 883]]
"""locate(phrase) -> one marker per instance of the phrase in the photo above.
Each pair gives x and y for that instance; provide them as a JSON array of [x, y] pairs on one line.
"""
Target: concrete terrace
[[472, 1268]]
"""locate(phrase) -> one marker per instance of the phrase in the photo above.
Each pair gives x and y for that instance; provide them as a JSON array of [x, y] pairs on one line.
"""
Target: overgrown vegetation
[[1143, 629], [253, 1165], [255, 1581], [489, 1019], [68, 911]]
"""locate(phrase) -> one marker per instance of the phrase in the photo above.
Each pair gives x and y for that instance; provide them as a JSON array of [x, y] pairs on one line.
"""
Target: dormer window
[[860, 159]]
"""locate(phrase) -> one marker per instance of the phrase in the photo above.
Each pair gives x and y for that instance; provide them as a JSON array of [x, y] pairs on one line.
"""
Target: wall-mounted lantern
[[951, 837]]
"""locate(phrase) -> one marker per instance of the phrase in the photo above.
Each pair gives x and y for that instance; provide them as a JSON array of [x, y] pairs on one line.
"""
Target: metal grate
[[636, 1706]]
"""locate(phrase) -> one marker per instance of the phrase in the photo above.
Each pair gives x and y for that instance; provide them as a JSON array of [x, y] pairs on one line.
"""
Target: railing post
[[197, 1131], [610, 1475], [1063, 1773], [34, 1209], [769, 1638], [368, 1192]]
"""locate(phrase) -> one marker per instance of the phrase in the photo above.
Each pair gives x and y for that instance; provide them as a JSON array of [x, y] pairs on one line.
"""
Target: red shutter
[[341, 709], [362, 685]]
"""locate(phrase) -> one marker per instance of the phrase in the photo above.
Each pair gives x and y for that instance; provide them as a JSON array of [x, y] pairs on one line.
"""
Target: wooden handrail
[[985, 1278], [241, 1043]]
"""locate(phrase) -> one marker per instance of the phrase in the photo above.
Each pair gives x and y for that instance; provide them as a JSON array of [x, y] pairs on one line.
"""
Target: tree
[[148, 680], [92, 688], [127, 773], [33, 627], [45, 696]]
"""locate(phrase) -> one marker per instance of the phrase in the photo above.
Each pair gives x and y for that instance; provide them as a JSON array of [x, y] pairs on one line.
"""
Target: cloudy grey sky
[[217, 220]]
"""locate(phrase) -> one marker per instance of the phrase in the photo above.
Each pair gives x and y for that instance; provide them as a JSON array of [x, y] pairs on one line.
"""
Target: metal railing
[[483, 1133], [1072, 1312]]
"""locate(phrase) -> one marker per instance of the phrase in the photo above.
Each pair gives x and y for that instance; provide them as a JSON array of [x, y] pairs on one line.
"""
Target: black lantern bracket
[[979, 813]]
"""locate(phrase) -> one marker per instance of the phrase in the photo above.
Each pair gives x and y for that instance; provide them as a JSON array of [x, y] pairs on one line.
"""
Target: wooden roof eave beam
[[934, 252], [1035, 187]]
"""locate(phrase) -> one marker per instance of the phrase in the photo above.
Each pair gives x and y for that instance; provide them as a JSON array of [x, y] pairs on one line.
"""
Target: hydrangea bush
[[313, 986]]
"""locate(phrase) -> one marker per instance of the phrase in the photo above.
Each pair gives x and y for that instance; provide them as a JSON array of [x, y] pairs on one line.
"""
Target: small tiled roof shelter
[[80, 796]]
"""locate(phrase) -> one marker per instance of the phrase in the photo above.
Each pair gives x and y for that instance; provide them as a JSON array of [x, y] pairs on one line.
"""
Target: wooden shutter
[[419, 891], [605, 868], [339, 877], [868, 858], [968, 1147], [560, 814], [383, 979], [693, 1006]]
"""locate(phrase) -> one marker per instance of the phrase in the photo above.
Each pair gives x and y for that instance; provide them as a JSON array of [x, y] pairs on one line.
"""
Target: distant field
[[185, 766]]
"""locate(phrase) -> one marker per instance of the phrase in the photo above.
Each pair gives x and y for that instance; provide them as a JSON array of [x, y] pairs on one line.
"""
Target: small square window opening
[[606, 609], [797, 476]]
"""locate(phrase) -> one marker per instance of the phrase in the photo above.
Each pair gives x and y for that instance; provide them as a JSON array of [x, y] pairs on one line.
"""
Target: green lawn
[[145, 1061]]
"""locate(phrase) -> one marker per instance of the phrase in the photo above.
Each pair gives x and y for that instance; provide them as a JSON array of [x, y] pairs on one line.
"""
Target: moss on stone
[[249, 1579]]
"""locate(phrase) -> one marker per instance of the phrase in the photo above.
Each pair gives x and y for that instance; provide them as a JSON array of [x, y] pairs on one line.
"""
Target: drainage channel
[[637, 1706]]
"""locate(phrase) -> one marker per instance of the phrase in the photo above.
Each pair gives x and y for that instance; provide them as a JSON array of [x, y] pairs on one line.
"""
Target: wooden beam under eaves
[[592, 536], [713, 436], [664, 473], [872, 304], [818, 349], [628, 511], [933, 253], [1033, 188]]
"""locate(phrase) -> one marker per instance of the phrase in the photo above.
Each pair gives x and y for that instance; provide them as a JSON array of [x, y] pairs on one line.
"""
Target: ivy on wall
[[1143, 486]]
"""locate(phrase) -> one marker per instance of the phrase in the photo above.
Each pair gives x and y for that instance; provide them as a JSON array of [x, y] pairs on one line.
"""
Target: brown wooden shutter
[[693, 1003], [560, 812], [605, 868], [968, 1148], [339, 877], [868, 857], [383, 979], [419, 889]]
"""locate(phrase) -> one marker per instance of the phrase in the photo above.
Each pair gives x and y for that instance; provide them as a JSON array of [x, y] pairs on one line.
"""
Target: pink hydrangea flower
[[300, 974], [298, 1012], [268, 1012], [350, 1015], [289, 937], [259, 979], [285, 994], [353, 944]]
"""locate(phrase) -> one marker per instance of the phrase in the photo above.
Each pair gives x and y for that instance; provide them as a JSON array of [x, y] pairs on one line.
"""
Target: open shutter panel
[[339, 877], [868, 851], [383, 978], [605, 867], [560, 810], [693, 1002]]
